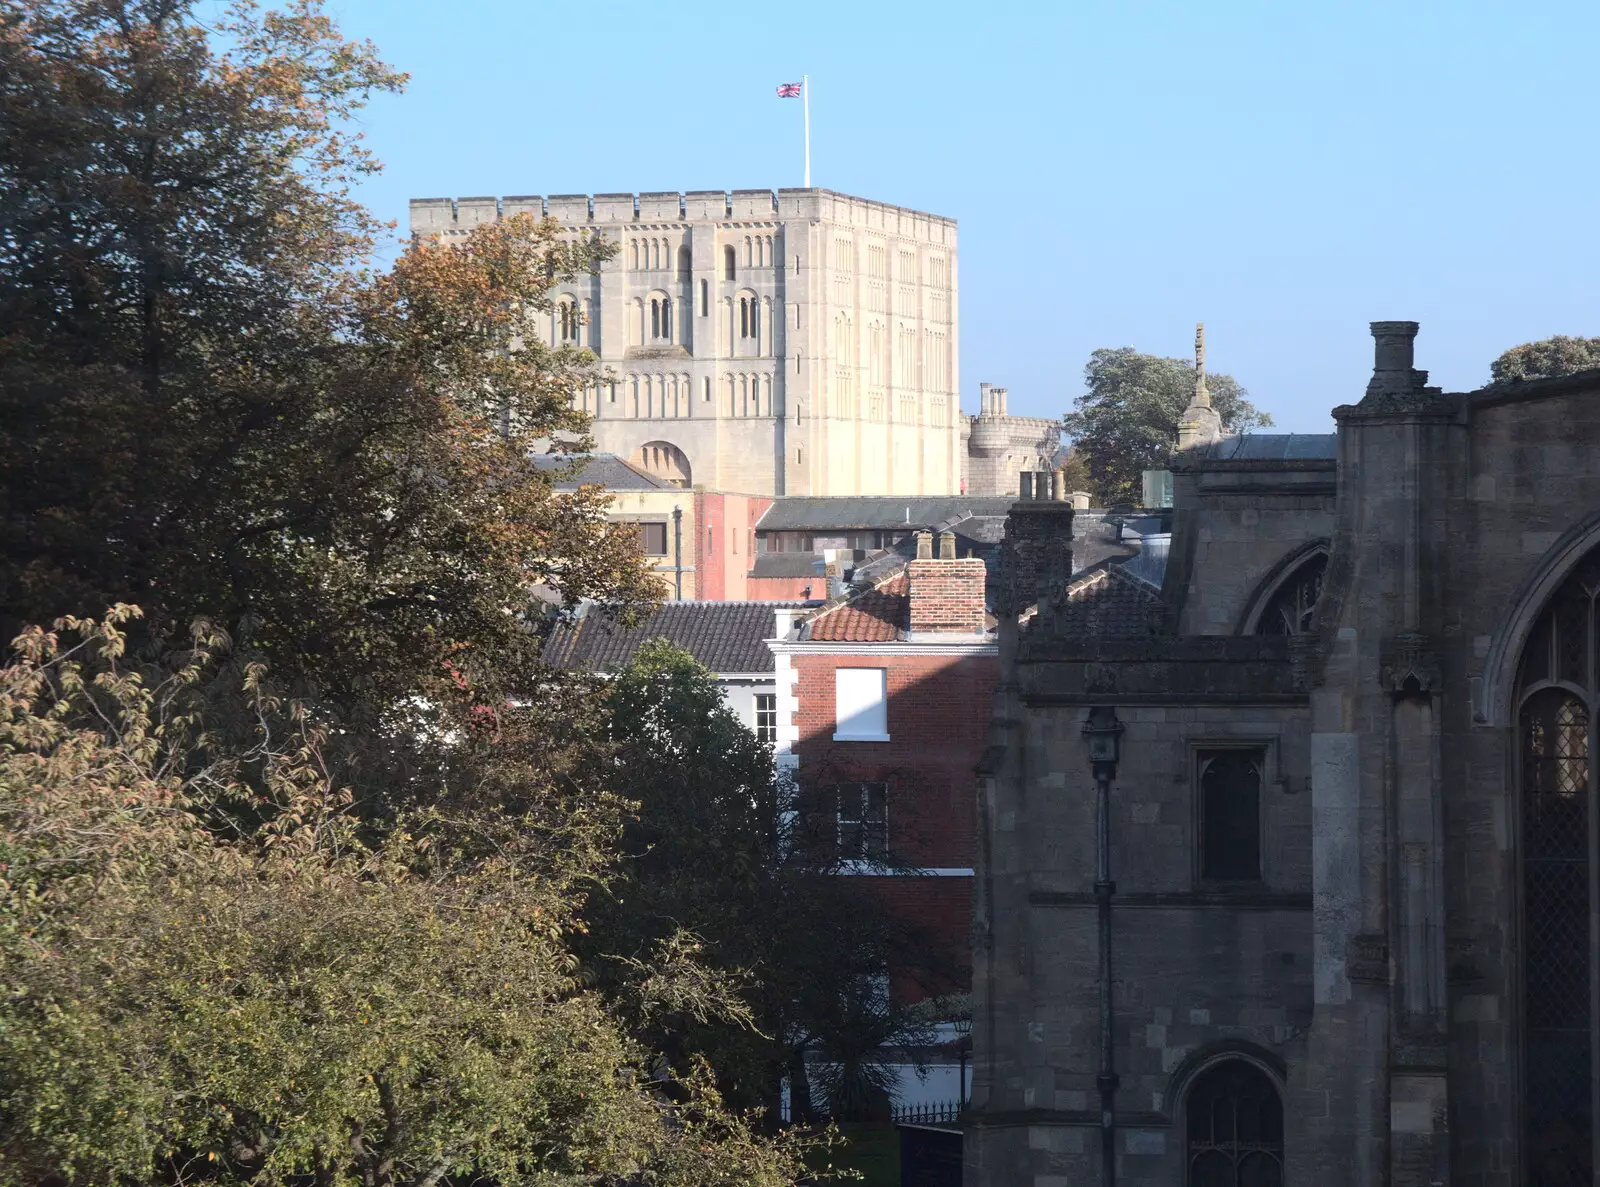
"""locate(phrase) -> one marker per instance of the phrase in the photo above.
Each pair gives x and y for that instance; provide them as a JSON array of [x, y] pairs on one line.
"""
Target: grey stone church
[[1289, 855]]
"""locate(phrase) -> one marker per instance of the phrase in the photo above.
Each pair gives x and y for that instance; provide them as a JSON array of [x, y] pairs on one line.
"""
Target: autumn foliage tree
[[295, 859], [1546, 359], [303, 1001], [208, 410]]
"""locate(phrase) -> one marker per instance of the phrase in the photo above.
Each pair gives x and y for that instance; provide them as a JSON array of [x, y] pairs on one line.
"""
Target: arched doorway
[[1557, 687], [1234, 1119], [663, 460]]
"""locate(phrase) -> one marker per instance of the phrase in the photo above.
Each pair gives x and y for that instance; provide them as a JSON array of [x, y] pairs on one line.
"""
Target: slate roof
[[1094, 539], [724, 636], [1253, 447], [876, 615], [787, 564], [1111, 604], [599, 469], [863, 513]]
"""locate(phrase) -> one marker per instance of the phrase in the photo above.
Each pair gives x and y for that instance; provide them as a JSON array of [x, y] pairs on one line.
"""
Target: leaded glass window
[[1289, 610], [1555, 731], [1230, 814], [1235, 1128]]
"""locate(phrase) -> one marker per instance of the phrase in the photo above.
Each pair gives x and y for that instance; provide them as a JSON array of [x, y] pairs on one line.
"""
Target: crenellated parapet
[[450, 216]]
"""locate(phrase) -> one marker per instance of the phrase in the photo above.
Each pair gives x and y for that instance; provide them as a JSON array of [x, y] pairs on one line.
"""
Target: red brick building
[[725, 545], [884, 702]]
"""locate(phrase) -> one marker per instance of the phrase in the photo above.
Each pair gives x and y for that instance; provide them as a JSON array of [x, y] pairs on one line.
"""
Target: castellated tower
[[797, 343], [1000, 447]]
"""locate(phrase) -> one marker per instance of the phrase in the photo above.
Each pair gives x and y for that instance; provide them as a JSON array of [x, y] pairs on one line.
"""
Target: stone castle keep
[[1343, 860], [801, 342]]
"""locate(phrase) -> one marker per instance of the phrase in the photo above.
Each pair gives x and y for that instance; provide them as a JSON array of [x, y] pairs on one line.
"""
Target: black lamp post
[[1103, 734], [963, 1042]]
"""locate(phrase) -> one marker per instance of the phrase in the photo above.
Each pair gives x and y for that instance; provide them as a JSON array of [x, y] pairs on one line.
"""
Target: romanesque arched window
[[665, 461], [1557, 703], [729, 260], [1235, 1128], [1289, 609], [749, 322]]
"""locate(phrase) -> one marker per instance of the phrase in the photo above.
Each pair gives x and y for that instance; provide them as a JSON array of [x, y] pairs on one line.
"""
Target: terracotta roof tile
[[877, 615]]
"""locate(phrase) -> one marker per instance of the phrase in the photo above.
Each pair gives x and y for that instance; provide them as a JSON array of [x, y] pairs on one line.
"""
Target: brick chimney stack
[[947, 595]]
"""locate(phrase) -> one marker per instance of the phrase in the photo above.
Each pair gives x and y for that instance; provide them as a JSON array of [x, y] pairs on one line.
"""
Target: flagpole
[[805, 97]]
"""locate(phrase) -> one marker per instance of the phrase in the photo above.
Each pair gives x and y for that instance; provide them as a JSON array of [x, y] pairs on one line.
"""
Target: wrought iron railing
[[944, 1112]]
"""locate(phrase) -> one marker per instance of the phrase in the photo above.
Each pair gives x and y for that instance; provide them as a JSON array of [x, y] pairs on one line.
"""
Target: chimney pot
[[1025, 491], [924, 546], [947, 546]]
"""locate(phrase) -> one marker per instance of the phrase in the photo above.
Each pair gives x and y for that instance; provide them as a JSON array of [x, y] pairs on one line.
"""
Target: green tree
[[1127, 420], [717, 851], [1561, 355], [207, 407], [306, 1002]]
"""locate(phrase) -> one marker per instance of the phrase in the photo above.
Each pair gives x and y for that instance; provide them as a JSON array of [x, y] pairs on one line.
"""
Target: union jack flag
[[788, 90]]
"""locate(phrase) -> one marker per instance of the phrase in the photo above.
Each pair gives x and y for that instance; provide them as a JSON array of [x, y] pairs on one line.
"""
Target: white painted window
[[861, 701], [767, 717], [863, 810]]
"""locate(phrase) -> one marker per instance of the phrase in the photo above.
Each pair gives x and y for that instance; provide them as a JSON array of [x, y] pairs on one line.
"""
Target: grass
[[874, 1150]]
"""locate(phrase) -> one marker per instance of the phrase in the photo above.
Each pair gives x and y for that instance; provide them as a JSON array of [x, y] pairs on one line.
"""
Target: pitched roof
[[845, 512], [787, 564], [875, 615], [598, 469], [724, 636], [1111, 604]]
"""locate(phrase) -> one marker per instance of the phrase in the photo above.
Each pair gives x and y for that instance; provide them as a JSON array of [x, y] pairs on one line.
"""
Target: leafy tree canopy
[[1546, 359], [717, 848], [208, 409], [1127, 420], [324, 926], [306, 1001]]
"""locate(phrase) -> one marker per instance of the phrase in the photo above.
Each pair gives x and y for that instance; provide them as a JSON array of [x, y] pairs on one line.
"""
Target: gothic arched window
[[1235, 1128], [1288, 611], [1557, 700]]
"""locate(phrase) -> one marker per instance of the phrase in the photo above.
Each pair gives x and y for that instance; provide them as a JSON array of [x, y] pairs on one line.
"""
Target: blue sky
[[1285, 172]]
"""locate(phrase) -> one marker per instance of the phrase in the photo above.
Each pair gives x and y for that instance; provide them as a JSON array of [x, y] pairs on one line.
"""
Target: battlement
[[446, 216]]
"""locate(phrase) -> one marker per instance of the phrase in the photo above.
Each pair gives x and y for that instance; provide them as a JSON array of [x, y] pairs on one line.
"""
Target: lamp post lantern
[[1102, 733]]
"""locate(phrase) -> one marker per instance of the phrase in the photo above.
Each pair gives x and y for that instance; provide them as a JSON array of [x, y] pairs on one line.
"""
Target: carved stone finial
[[1200, 425]]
